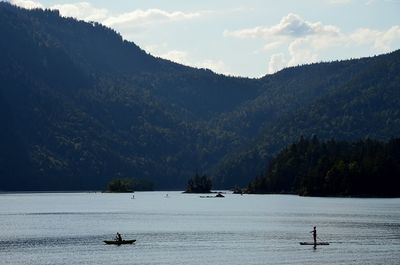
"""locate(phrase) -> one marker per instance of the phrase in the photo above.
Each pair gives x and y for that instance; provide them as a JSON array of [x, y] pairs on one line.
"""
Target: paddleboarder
[[315, 243], [314, 233]]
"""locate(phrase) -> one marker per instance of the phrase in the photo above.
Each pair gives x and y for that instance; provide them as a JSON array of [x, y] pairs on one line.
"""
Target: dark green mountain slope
[[287, 91], [81, 106], [352, 100]]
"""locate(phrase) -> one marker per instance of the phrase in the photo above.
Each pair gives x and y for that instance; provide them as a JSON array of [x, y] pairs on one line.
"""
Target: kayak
[[312, 243], [116, 242]]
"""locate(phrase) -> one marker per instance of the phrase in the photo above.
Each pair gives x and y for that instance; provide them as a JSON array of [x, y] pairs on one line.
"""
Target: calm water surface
[[69, 228]]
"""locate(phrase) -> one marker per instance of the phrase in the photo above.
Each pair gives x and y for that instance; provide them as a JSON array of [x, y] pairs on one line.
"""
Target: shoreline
[[182, 192]]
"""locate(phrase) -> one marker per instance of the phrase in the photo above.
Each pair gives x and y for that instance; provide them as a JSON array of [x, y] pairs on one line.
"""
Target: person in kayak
[[118, 237]]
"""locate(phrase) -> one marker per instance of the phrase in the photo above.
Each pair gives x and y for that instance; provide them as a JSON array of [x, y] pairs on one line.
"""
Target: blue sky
[[245, 38]]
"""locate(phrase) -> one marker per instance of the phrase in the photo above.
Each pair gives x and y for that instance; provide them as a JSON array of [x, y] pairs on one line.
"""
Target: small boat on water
[[119, 242], [312, 243]]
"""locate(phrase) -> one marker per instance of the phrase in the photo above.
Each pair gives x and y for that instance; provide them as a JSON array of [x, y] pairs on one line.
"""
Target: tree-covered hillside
[[80, 106], [347, 100], [331, 168]]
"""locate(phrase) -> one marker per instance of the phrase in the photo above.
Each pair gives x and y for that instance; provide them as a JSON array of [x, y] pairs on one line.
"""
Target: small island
[[129, 185], [199, 184]]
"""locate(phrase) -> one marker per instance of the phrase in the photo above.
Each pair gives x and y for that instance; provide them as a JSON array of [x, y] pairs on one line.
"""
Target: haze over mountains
[[80, 106]]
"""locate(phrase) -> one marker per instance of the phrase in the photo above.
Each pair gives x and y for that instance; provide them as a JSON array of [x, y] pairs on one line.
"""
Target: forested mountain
[[347, 100], [330, 168], [80, 106]]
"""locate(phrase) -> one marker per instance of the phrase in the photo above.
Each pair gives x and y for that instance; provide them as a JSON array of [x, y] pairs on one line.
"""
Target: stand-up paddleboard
[[312, 243]]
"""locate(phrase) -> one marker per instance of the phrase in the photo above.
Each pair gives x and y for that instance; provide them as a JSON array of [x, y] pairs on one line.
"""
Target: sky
[[249, 38]]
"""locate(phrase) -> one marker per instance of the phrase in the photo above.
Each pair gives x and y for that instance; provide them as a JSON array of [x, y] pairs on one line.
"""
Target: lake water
[[69, 228]]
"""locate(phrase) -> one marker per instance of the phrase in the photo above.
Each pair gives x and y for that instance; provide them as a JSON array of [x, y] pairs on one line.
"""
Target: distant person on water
[[314, 233], [118, 237]]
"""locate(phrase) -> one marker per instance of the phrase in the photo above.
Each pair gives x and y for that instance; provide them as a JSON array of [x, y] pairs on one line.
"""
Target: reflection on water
[[68, 228]]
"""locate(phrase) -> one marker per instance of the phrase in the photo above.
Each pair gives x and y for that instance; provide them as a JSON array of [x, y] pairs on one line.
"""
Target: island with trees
[[199, 184], [129, 185]]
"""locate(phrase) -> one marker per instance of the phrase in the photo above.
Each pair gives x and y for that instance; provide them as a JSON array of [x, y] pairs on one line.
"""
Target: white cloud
[[155, 48], [295, 26], [309, 49], [86, 11], [26, 4], [148, 16], [183, 57], [291, 25], [296, 41], [272, 45], [176, 56], [276, 63], [384, 43], [245, 33], [302, 40], [217, 66], [380, 40], [302, 52], [82, 10]]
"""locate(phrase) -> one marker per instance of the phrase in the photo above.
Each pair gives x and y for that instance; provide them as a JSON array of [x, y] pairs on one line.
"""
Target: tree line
[[312, 167]]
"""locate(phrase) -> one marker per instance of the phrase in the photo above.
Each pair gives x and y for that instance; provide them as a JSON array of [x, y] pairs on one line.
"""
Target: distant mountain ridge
[[353, 100], [82, 106], [79, 106]]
